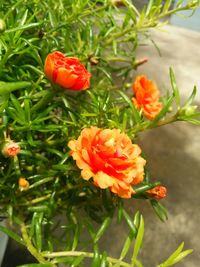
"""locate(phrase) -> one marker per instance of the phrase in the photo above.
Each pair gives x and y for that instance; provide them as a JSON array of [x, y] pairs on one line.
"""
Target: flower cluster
[[108, 156], [146, 97]]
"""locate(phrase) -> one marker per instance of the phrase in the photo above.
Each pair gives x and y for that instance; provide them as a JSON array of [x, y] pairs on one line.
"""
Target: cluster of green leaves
[[36, 234], [43, 118]]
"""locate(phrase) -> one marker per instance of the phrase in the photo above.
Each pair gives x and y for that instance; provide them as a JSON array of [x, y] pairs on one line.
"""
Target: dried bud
[[23, 184], [94, 60], [140, 62], [2, 25], [117, 3], [10, 149], [157, 192]]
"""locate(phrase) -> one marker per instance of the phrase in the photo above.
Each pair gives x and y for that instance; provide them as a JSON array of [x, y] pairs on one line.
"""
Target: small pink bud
[[10, 149]]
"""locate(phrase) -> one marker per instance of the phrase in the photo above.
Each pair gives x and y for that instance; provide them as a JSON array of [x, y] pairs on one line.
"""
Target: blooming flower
[[146, 97], [110, 158], [10, 149], [67, 72], [23, 184], [157, 192]]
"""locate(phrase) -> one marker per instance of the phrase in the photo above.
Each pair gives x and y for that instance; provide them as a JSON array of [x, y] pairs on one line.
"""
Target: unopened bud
[[2, 25], [10, 149], [188, 110], [23, 184], [157, 192]]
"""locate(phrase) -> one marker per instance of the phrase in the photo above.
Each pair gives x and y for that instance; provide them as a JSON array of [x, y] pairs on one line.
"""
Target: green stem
[[151, 125], [143, 188], [35, 201], [186, 7], [4, 60], [81, 253], [148, 23], [30, 246], [42, 103]]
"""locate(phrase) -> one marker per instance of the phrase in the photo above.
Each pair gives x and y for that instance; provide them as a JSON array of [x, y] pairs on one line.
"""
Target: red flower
[[157, 192], [146, 97], [67, 72], [110, 158]]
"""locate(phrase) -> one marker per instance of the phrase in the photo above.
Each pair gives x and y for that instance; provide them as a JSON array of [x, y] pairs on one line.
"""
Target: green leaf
[[127, 245], [138, 263], [163, 111], [43, 102], [139, 239], [176, 256], [96, 261], [11, 234], [130, 222], [38, 230], [77, 261], [135, 112], [149, 7], [76, 236], [103, 260], [174, 87], [3, 102], [19, 110], [166, 5], [102, 229], [159, 209], [107, 74], [136, 220], [182, 255], [27, 112], [24, 27], [191, 97], [120, 211]]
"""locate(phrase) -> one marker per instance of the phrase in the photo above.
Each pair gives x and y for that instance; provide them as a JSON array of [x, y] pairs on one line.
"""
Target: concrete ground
[[172, 154], [173, 157], [173, 151]]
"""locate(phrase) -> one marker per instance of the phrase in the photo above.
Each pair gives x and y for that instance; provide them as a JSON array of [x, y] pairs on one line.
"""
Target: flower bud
[[2, 25], [10, 149], [23, 184], [187, 110], [67, 72], [157, 192]]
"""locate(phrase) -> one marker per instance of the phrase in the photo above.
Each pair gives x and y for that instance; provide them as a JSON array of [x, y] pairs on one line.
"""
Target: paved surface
[[173, 151], [173, 157]]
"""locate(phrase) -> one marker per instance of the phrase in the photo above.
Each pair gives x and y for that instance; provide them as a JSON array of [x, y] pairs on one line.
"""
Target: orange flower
[[23, 184], [146, 97], [110, 158], [67, 72], [157, 192], [10, 149]]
